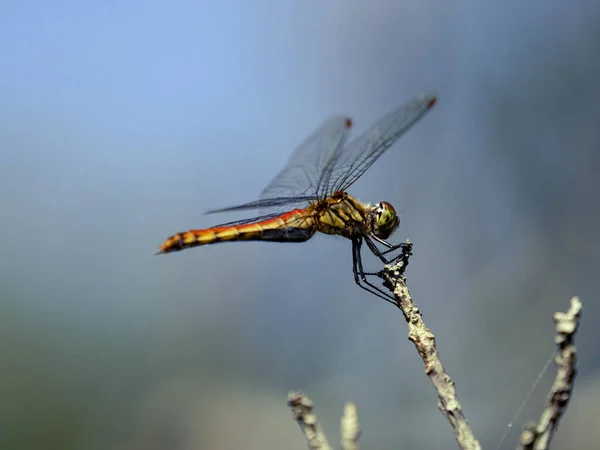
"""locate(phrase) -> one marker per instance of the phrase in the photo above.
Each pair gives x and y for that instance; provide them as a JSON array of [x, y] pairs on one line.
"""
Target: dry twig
[[424, 341], [535, 436], [538, 436], [349, 429], [302, 409]]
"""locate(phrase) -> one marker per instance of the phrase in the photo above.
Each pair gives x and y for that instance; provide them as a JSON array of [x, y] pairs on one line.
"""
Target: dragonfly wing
[[268, 203], [297, 183], [362, 152], [322, 165], [306, 167]]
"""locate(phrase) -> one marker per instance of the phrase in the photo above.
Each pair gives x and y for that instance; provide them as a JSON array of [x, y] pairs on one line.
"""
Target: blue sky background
[[121, 122]]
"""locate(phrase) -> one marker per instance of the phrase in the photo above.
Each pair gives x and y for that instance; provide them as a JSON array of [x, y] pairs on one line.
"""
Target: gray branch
[[535, 436], [424, 341], [349, 429], [302, 410], [538, 436]]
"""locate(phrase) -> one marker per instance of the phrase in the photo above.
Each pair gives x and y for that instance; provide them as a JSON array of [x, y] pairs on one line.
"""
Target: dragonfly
[[309, 194]]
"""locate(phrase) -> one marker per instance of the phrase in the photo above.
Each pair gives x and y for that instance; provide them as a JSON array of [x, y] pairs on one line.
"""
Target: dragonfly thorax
[[385, 220]]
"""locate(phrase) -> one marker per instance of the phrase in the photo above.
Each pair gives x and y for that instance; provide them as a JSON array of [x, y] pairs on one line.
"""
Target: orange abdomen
[[293, 226]]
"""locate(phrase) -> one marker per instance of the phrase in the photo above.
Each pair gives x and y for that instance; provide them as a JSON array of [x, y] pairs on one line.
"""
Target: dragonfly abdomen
[[289, 227]]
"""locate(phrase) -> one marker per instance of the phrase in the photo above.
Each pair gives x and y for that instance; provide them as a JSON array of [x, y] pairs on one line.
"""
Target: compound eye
[[386, 215], [386, 220]]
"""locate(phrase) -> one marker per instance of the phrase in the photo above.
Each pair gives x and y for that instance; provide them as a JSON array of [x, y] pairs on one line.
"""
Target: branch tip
[[302, 411], [539, 435], [349, 428]]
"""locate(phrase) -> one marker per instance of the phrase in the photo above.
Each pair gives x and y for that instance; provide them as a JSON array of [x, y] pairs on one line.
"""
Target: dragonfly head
[[386, 220]]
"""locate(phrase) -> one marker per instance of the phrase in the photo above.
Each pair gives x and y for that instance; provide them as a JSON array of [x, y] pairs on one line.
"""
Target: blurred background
[[121, 122]]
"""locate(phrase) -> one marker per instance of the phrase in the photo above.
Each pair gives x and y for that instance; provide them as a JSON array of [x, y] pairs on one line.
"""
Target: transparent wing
[[354, 159], [322, 165], [268, 203], [297, 183], [310, 163]]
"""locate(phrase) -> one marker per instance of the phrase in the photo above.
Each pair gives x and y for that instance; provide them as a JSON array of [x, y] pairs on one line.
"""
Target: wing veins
[[363, 151], [264, 203]]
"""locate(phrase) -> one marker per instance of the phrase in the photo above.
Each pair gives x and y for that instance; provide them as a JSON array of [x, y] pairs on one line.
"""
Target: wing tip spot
[[432, 102], [348, 122]]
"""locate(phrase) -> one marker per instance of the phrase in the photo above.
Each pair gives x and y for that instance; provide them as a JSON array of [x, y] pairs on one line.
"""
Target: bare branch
[[302, 409], [349, 429], [535, 436], [538, 436], [424, 341]]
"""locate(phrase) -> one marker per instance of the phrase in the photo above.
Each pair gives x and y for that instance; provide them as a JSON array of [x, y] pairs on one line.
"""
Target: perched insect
[[312, 186]]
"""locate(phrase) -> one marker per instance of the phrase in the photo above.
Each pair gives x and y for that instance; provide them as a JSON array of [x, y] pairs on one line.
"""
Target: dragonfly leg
[[376, 251], [390, 248], [383, 242], [360, 276]]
